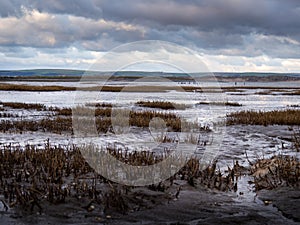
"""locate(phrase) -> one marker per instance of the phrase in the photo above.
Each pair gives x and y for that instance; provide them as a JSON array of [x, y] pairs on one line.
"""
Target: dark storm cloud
[[237, 16], [232, 15], [247, 27]]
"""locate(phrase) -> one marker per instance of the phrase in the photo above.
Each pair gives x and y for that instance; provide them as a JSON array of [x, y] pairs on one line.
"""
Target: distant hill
[[76, 74], [41, 72]]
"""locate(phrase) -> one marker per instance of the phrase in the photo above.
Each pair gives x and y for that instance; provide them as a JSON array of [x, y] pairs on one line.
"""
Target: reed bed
[[142, 119], [83, 111], [101, 105], [296, 139], [54, 125], [210, 177], [62, 122], [272, 91], [31, 176], [294, 106], [102, 112], [18, 105], [161, 105], [20, 87], [8, 115], [278, 117], [277, 171], [234, 104], [139, 88], [293, 93]]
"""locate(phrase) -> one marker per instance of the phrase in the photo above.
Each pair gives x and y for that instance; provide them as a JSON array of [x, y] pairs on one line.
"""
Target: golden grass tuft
[[278, 117], [21, 87], [296, 139], [62, 120], [18, 105], [277, 171], [161, 105], [293, 93], [31, 176]]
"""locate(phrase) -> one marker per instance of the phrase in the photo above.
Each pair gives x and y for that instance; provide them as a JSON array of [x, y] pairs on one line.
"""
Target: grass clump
[[100, 105], [234, 104], [277, 171], [18, 105], [278, 117], [293, 93], [296, 139], [20, 87], [62, 121], [161, 105], [54, 125], [32, 177]]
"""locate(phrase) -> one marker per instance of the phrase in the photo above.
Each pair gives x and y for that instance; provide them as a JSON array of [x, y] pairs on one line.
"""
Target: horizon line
[[148, 71]]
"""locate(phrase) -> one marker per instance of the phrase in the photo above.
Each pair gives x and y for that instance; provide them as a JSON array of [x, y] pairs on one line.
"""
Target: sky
[[229, 35]]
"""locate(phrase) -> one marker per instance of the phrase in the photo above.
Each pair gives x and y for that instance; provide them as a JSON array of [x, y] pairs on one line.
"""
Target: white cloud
[[40, 29], [75, 58], [262, 63], [234, 36]]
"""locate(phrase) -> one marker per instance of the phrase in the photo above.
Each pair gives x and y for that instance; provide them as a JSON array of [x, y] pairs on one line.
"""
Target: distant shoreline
[[61, 75], [74, 75]]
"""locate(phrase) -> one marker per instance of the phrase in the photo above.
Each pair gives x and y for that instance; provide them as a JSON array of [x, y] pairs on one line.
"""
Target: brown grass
[[271, 91], [234, 104], [141, 88], [279, 117], [139, 119], [276, 171], [100, 105], [142, 119], [80, 110], [55, 125], [30, 177], [161, 105], [293, 93], [296, 139], [18, 105], [8, 115], [294, 106], [20, 87], [62, 122]]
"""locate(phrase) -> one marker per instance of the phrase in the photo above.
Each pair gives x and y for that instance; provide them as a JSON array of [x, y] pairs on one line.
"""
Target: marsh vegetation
[[278, 117]]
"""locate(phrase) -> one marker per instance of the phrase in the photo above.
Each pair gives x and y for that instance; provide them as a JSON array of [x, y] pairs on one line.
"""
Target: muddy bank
[[193, 206], [286, 200]]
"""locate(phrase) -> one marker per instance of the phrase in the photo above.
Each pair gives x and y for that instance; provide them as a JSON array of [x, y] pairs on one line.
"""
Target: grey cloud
[[207, 14], [87, 8], [18, 52], [37, 29], [217, 26]]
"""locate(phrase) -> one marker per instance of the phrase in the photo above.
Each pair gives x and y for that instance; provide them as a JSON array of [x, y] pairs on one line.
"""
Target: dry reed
[[277, 171], [161, 105], [31, 175], [279, 117]]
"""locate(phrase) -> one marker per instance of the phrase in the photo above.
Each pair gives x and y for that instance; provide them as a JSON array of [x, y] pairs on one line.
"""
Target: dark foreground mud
[[286, 200], [193, 206]]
